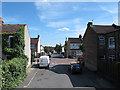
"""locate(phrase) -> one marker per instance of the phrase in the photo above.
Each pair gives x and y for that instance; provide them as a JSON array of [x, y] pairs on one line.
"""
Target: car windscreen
[[76, 65]]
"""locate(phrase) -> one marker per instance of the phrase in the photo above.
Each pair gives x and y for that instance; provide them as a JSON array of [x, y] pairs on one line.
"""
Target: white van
[[44, 61]]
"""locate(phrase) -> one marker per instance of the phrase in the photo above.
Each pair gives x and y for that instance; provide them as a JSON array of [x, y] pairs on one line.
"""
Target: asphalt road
[[59, 76]]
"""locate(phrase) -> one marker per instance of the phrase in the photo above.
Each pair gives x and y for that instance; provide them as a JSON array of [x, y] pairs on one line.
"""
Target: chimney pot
[[38, 36], [1, 19], [89, 24]]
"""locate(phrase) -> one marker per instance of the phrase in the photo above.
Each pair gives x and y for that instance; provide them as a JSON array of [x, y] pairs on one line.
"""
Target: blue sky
[[54, 21]]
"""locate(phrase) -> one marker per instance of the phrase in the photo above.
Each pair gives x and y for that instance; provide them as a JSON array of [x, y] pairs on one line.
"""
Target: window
[[101, 40], [32, 46], [112, 42], [102, 57], [10, 41], [112, 58], [74, 46]]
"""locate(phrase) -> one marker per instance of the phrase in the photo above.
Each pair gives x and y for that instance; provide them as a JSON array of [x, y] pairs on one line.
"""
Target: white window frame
[[103, 39], [102, 58], [9, 38], [111, 46], [111, 57]]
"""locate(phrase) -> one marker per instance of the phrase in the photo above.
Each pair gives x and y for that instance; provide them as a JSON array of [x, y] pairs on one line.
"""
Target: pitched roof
[[74, 40], [11, 28], [103, 29], [34, 40]]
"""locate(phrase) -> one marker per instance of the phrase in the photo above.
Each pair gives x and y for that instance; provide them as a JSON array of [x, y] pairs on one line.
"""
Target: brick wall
[[90, 49]]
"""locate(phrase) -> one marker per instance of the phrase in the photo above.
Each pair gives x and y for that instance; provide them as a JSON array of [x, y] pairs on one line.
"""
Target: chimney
[[80, 36], [89, 24], [38, 36], [1, 20], [115, 26]]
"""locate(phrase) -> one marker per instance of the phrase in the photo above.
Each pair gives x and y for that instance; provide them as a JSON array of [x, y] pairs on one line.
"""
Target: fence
[[111, 70]]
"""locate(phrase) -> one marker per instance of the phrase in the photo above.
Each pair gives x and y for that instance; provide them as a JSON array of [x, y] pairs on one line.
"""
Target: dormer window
[[111, 43], [101, 40]]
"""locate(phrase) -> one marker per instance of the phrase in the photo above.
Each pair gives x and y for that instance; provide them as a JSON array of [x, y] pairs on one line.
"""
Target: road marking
[[31, 80]]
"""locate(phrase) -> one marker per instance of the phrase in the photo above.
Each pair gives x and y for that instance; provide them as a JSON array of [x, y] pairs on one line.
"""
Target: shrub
[[13, 72]]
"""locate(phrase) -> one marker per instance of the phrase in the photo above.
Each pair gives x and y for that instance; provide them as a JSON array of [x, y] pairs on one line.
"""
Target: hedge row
[[13, 72]]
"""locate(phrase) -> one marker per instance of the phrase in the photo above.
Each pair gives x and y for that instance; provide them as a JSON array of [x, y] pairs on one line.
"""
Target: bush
[[13, 72], [32, 57]]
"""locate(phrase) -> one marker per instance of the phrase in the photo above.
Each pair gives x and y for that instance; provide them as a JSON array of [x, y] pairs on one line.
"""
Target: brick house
[[101, 42], [42, 52], [73, 47], [35, 46], [12, 28]]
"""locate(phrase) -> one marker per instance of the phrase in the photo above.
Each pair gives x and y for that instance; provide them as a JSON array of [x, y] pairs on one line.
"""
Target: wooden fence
[[110, 70]]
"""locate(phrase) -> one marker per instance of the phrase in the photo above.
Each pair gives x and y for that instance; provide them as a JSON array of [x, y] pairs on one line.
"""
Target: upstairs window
[[102, 57], [74, 46], [32, 46], [111, 43], [101, 40]]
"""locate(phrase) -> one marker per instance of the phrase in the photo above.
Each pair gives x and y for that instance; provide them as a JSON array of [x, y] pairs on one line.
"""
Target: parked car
[[34, 60], [44, 61], [61, 56], [81, 60], [75, 68]]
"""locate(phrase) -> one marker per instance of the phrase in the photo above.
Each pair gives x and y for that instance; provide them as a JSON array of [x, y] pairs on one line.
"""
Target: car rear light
[[72, 66], [37, 60]]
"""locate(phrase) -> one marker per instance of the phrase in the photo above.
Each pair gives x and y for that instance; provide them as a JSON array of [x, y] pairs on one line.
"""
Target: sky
[[54, 21]]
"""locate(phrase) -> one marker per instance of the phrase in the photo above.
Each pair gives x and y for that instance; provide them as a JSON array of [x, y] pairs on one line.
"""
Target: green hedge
[[13, 72]]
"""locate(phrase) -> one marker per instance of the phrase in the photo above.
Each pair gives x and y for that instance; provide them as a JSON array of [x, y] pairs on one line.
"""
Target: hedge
[[13, 72]]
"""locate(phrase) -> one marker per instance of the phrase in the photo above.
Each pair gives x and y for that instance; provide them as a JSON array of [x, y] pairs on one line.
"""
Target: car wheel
[[81, 71], [47, 67], [83, 64]]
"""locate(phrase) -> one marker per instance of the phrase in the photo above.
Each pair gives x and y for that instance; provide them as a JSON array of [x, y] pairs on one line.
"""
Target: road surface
[[58, 76]]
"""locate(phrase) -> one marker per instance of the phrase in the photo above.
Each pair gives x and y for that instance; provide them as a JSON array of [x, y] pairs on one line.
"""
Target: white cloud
[[64, 23], [64, 29], [75, 8], [11, 20], [110, 10], [58, 24], [79, 30], [113, 19], [49, 10], [76, 31], [33, 29]]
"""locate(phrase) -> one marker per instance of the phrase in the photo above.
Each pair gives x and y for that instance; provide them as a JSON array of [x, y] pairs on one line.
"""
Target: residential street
[[59, 76]]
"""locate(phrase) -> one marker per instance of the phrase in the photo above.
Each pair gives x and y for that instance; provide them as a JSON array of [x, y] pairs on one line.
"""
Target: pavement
[[59, 76]]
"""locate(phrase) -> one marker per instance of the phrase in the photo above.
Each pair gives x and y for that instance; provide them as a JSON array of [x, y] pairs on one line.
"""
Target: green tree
[[46, 49], [58, 48], [65, 47]]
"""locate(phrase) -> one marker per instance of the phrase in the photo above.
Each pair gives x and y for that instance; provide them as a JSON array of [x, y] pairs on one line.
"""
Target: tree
[[58, 48], [65, 47], [46, 49]]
